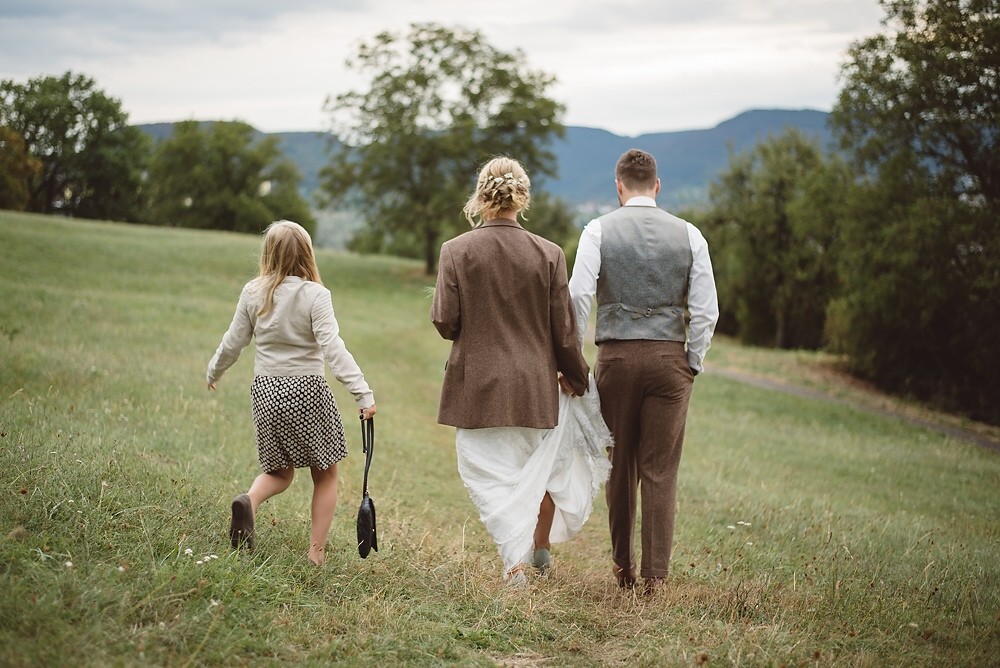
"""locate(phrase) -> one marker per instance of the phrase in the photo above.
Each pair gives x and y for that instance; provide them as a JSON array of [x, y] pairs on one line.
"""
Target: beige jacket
[[296, 337], [502, 298]]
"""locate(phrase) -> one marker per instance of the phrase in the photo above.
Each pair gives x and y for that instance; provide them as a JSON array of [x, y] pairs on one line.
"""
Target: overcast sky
[[628, 66]]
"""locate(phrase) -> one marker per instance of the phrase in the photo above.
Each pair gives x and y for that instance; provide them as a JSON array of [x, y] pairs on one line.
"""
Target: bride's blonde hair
[[503, 185], [286, 250]]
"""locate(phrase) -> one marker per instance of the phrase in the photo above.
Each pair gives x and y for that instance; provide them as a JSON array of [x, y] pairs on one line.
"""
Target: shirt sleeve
[[446, 308], [340, 360], [586, 269], [703, 301], [236, 338]]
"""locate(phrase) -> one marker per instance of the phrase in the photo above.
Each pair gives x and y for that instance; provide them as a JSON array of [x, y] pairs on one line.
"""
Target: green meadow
[[810, 532]]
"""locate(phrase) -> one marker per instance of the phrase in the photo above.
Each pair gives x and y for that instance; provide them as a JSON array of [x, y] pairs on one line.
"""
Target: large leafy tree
[[17, 170], [440, 102], [929, 85], [773, 228], [91, 160], [920, 114], [225, 176]]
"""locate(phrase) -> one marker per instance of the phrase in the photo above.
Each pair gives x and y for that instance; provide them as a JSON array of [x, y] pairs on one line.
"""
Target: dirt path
[[956, 432]]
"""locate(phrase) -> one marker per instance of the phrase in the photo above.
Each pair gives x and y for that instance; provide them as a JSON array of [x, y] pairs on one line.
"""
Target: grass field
[[809, 532]]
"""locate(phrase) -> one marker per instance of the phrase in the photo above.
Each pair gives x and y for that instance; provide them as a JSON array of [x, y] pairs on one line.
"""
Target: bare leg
[[324, 503], [546, 513], [269, 484]]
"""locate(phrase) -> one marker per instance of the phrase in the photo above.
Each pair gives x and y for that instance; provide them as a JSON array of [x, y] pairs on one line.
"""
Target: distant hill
[[688, 160]]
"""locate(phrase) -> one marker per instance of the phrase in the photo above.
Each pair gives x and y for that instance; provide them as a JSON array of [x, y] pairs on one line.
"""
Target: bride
[[531, 457]]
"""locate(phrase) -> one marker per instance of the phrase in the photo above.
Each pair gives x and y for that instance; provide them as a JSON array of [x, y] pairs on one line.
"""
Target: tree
[[91, 160], [773, 228], [17, 170], [551, 217], [223, 176], [920, 115], [440, 103], [930, 84]]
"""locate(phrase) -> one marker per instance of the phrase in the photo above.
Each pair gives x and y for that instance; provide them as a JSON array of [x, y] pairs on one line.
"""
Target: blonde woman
[[290, 314], [502, 298]]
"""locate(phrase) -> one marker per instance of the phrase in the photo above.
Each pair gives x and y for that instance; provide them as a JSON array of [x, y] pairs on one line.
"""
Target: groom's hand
[[566, 387]]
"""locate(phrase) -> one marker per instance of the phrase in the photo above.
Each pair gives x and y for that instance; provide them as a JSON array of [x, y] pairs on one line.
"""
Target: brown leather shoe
[[625, 577], [654, 585], [241, 527]]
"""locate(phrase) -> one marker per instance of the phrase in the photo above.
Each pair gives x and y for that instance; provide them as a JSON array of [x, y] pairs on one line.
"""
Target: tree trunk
[[431, 252], [780, 329]]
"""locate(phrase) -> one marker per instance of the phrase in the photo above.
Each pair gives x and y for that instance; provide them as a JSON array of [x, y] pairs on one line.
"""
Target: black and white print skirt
[[297, 422]]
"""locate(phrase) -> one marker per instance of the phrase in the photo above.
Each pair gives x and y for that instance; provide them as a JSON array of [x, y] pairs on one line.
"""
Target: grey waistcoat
[[642, 287]]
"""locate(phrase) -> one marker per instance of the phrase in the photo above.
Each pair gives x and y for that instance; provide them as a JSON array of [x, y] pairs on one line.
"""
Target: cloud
[[621, 16], [100, 30], [629, 66]]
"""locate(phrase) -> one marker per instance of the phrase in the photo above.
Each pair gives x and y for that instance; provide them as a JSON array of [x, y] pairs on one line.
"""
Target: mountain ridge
[[687, 160]]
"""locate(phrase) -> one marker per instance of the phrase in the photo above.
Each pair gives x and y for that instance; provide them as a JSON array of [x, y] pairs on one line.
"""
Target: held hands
[[566, 387], [211, 386], [367, 413]]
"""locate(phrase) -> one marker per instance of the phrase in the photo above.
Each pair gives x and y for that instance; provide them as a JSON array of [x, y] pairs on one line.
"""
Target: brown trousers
[[645, 387]]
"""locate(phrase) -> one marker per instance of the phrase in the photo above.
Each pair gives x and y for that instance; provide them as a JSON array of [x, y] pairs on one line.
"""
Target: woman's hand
[[566, 387], [368, 413]]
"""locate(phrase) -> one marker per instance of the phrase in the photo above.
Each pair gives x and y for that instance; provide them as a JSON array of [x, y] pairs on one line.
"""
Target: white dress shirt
[[295, 338], [703, 303]]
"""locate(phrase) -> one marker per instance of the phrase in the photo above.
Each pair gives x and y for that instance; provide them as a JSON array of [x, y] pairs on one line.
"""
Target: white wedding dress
[[507, 471]]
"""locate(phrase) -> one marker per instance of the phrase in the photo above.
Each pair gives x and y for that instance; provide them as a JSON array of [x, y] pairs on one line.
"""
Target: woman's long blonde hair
[[286, 250], [503, 185]]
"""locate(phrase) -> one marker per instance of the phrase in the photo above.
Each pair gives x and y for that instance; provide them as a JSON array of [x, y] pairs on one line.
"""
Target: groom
[[646, 267]]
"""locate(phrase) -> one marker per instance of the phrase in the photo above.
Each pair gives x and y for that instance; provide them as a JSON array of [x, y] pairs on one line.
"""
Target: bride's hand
[[566, 387]]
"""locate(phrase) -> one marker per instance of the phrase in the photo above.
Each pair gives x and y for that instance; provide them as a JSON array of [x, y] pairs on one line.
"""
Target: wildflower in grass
[[68, 564], [121, 569], [731, 527], [189, 551], [212, 603], [199, 562]]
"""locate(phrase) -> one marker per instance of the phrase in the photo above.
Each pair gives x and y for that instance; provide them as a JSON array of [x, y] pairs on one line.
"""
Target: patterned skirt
[[297, 422]]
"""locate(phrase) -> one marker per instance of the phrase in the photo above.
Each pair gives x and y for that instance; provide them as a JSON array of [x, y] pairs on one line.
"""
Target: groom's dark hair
[[636, 170]]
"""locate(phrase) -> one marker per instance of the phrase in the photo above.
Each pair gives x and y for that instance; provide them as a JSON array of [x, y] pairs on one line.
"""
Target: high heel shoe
[[516, 577], [542, 560]]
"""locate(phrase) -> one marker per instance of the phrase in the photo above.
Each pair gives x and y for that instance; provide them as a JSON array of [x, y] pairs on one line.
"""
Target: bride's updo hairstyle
[[502, 187]]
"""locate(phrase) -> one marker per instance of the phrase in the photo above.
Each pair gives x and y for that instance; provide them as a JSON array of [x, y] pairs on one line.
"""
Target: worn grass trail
[[809, 533]]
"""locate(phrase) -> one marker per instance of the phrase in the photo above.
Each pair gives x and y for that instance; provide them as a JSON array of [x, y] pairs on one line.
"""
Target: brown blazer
[[502, 298]]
